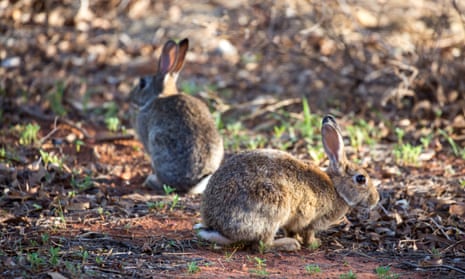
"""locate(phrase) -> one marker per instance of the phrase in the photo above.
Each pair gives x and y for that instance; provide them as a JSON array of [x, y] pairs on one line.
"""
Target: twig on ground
[[435, 266], [362, 255], [46, 137], [440, 228], [272, 107], [452, 246]]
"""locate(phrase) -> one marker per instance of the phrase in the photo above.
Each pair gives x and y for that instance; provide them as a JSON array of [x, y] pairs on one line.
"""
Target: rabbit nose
[[329, 118]]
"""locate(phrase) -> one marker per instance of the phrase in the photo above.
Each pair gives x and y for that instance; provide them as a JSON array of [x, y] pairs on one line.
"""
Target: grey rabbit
[[256, 193], [177, 130]]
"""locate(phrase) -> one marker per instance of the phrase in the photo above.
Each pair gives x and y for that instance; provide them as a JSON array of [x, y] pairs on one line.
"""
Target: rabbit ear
[[168, 57], [183, 46], [332, 142]]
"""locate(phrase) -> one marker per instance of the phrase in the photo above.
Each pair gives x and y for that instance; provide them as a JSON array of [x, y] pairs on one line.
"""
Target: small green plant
[[357, 136], [100, 211], [190, 87], [279, 131], [400, 135], [234, 137], [218, 120], [261, 247], [168, 189], [284, 136], [85, 256], [110, 109], [33, 243], [192, 268], [110, 113], [50, 158], [383, 272], [128, 226], [29, 134], [56, 99], [426, 140], [35, 260], [436, 253], [60, 213], [174, 202], [260, 262], [98, 260], [458, 152], [54, 256], [45, 237], [310, 123], [348, 275], [362, 133], [73, 269], [113, 123], [72, 194], [256, 142], [284, 145], [82, 184], [78, 144], [156, 205], [317, 152], [314, 245], [407, 154], [37, 206], [312, 268], [260, 267]]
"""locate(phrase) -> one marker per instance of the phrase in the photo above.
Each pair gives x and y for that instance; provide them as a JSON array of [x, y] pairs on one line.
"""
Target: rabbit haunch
[[255, 193]]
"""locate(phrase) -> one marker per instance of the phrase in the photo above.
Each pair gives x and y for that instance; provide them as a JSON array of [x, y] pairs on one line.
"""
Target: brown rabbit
[[177, 130], [255, 193]]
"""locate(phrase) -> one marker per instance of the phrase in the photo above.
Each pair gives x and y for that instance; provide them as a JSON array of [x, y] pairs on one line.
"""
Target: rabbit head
[[163, 83], [351, 182]]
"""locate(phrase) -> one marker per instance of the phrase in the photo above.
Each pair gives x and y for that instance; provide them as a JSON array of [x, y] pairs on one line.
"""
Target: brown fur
[[255, 193]]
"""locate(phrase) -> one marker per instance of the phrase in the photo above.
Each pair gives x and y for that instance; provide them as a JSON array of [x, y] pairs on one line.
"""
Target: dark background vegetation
[[392, 72]]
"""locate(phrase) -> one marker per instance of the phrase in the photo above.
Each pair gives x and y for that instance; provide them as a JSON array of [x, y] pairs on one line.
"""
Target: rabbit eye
[[360, 179], [142, 83]]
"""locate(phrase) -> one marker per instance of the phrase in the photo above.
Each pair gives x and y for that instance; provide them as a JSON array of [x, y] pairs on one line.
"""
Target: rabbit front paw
[[152, 182]]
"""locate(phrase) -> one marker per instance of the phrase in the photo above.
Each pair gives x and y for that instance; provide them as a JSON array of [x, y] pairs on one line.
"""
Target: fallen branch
[[272, 107]]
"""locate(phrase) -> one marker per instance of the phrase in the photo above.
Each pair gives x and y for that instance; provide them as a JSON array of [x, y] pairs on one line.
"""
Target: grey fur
[[177, 130]]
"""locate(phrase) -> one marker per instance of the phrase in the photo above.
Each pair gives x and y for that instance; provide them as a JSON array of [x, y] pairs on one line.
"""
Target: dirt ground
[[72, 203]]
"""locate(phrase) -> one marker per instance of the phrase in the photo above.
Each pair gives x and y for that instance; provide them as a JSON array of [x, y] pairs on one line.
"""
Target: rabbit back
[[181, 138]]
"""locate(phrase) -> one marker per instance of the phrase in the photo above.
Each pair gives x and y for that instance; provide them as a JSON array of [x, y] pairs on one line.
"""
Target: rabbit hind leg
[[286, 244]]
